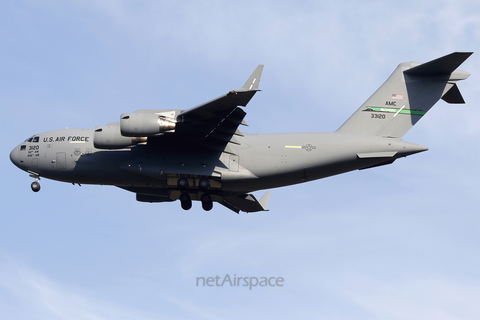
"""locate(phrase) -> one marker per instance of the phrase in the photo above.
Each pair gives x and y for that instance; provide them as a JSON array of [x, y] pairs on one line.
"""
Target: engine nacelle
[[109, 137], [145, 124]]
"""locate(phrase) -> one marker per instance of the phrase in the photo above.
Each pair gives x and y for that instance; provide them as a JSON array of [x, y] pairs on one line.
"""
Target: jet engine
[[145, 124], [109, 137]]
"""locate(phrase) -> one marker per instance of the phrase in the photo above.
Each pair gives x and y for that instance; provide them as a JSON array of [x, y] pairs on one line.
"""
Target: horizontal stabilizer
[[247, 203], [453, 96], [443, 65]]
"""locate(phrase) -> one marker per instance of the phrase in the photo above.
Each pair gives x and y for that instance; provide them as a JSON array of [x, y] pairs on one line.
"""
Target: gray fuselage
[[261, 161]]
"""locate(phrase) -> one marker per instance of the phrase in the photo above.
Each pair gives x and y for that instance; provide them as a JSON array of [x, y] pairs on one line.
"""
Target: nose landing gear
[[35, 184]]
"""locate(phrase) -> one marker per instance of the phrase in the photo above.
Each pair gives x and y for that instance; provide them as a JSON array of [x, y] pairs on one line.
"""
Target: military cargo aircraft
[[200, 154]]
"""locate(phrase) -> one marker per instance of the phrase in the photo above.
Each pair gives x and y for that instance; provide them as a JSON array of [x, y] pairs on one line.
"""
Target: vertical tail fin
[[407, 95]]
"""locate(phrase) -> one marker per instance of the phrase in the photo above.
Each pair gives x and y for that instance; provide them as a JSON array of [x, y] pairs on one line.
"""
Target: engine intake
[[145, 124]]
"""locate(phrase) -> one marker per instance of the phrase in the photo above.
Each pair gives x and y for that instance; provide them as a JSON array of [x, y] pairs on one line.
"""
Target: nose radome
[[14, 156]]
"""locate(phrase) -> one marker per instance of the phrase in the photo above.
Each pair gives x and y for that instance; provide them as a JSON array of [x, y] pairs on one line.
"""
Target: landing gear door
[[61, 160], [234, 160]]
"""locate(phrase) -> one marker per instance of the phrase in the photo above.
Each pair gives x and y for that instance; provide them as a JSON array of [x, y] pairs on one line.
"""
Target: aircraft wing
[[215, 123]]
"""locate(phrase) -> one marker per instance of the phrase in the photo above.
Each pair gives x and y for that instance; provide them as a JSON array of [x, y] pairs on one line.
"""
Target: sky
[[395, 242]]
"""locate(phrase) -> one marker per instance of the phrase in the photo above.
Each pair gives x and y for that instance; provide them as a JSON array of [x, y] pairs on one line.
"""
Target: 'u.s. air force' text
[[68, 139]]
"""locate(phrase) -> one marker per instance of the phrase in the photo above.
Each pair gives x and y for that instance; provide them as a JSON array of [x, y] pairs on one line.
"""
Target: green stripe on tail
[[395, 110]]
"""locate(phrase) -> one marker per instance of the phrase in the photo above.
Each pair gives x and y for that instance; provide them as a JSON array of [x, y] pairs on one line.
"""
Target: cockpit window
[[36, 139], [22, 148], [29, 139]]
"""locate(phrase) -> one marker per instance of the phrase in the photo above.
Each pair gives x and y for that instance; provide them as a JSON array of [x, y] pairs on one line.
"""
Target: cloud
[[39, 297], [414, 298]]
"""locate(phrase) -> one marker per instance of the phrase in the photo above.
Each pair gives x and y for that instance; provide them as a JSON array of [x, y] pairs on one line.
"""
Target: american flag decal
[[397, 96]]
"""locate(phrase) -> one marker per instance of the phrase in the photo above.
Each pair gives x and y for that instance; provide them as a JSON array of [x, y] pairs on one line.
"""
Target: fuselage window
[[23, 148], [36, 139]]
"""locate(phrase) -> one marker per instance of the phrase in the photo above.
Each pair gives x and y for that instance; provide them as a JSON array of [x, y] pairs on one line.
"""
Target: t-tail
[[407, 95]]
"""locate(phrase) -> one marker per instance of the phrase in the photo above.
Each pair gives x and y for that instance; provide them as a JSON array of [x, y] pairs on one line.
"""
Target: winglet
[[253, 81]]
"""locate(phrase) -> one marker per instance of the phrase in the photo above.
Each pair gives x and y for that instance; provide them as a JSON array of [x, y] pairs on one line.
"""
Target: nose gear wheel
[[35, 186]]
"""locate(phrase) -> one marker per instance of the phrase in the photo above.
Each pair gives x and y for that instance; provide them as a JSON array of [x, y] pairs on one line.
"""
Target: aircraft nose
[[14, 156]]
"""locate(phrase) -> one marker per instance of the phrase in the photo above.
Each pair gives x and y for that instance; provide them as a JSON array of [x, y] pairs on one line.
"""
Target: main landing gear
[[182, 183], [207, 203], [185, 199], [35, 184]]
